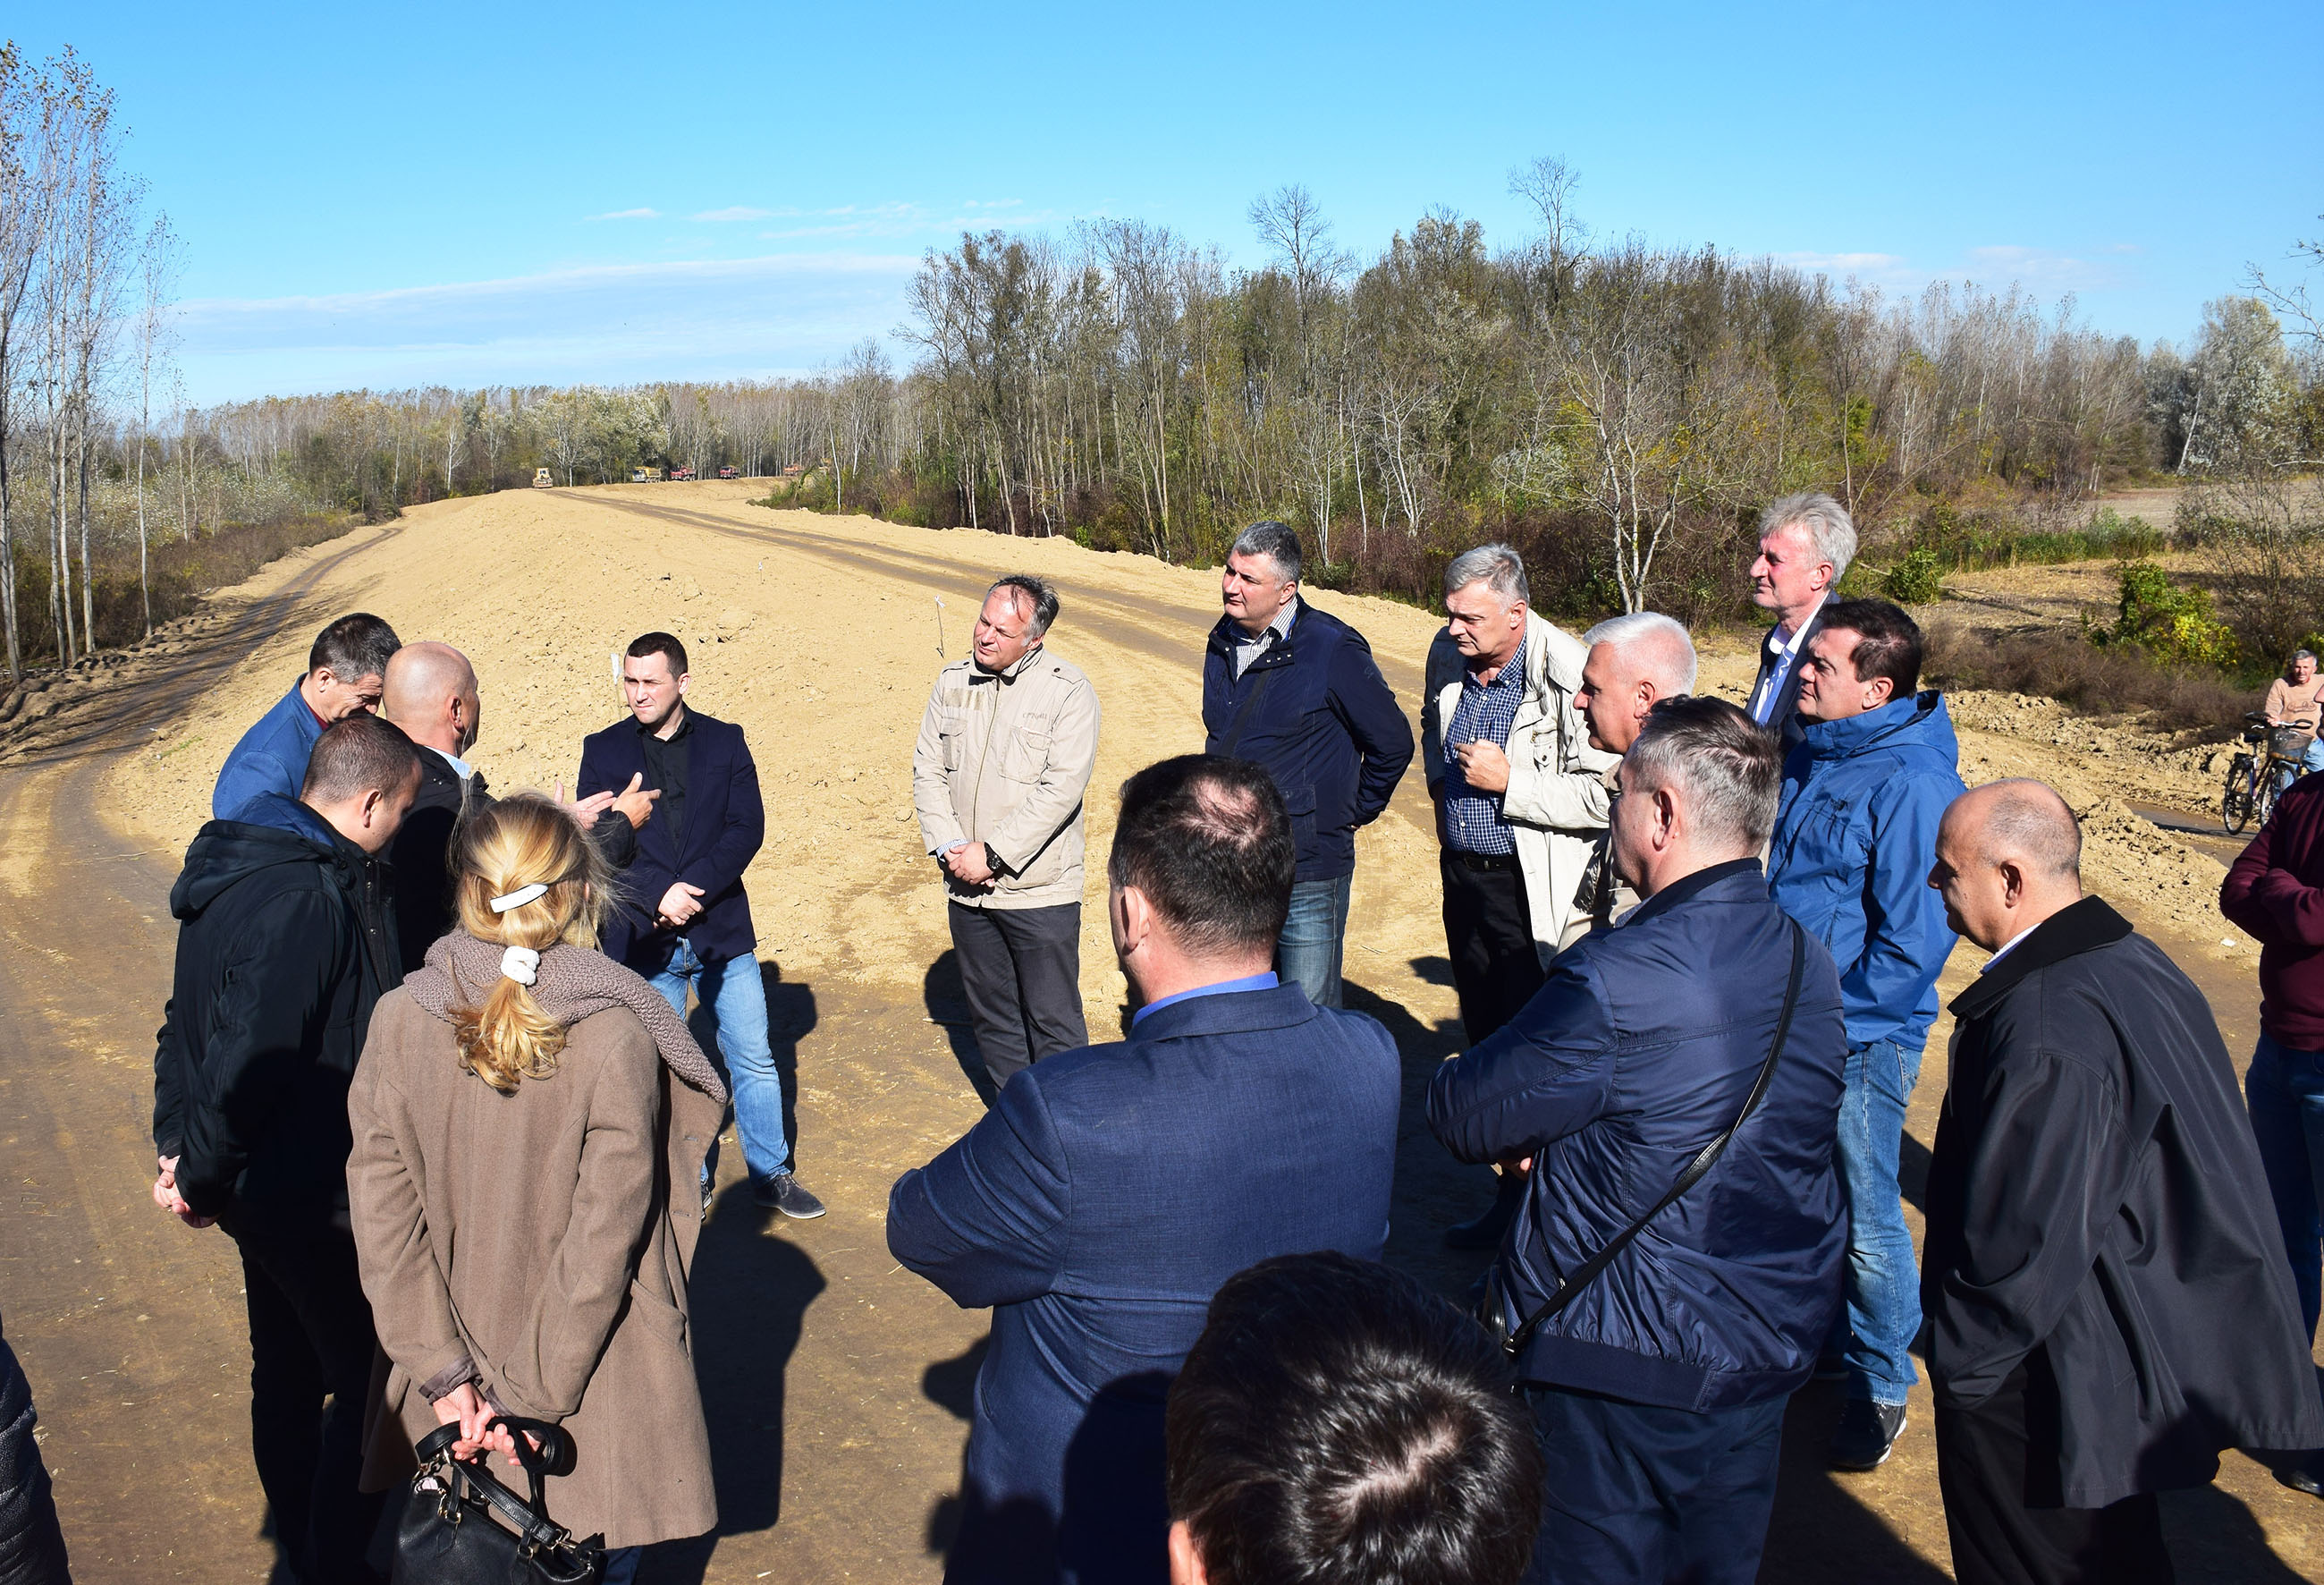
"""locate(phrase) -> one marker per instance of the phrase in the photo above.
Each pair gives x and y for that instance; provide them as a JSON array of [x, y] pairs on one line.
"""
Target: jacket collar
[[2084, 927], [1224, 632], [1694, 884], [1852, 736], [1009, 674], [1229, 1012]]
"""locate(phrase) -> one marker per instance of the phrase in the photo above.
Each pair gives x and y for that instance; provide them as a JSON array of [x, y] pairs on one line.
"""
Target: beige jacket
[[1557, 801], [1004, 758], [536, 1234]]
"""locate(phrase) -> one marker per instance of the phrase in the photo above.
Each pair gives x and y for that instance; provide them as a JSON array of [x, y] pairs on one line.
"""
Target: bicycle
[[2255, 780]]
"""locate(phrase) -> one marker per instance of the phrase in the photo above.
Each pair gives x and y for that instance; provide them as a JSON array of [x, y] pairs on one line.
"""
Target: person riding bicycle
[[2292, 701]]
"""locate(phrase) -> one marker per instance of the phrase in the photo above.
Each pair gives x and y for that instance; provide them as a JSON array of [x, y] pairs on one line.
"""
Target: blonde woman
[[522, 1106]]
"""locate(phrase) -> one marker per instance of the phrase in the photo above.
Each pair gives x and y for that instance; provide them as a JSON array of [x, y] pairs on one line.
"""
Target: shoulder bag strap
[[1707, 1158]]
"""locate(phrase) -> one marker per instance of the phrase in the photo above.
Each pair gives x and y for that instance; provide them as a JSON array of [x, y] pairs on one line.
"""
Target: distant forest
[[1620, 412]]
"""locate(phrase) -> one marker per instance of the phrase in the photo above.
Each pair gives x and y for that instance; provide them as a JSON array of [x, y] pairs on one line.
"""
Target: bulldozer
[[541, 481]]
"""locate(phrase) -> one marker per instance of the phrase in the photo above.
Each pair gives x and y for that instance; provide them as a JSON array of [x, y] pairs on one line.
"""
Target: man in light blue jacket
[[346, 672], [1862, 794]]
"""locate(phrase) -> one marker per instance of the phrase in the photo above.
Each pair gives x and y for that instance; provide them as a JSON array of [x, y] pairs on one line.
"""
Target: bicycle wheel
[[2235, 802], [2266, 787]]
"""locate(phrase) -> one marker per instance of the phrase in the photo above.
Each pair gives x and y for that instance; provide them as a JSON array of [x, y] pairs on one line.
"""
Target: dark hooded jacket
[[2096, 1194], [421, 855], [285, 942]]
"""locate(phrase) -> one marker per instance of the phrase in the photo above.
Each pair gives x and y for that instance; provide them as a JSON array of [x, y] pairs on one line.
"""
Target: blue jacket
[[1316, 711], [1854, 834], [726, 824], [1636, 1053], [271, 757], [1097, 1208]]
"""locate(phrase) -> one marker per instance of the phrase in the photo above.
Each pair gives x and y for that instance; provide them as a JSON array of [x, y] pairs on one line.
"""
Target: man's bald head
[[431, 691], [2008, 855]]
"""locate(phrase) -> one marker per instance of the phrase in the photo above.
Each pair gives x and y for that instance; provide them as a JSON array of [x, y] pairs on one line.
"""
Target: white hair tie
[[521, 964], [520, 897]]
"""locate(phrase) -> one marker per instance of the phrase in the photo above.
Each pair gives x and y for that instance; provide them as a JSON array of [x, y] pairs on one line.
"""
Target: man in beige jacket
[[1521, 800], [1003, 758]]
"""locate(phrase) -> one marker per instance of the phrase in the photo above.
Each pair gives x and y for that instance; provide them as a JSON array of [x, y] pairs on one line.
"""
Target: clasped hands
[[166, 1195], [966, 863], [465, 1407]]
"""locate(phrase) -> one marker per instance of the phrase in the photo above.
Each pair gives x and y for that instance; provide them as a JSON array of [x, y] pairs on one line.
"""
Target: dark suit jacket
[[725, 825], [1786, 716], [420, 856], [1097, 1208]]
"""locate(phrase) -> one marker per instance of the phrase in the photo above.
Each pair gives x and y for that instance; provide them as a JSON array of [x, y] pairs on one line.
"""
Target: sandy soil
[[820, 635]]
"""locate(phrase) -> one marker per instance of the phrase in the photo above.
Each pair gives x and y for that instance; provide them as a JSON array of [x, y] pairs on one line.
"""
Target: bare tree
[[157, 280]]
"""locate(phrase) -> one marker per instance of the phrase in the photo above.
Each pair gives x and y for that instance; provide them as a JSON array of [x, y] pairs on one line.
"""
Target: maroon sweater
[[2276, 891]]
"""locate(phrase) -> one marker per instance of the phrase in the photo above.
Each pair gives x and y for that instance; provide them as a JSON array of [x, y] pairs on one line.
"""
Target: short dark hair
[[1278, 542], [1887, 642], [357, 755], [1038, 593], [1732, 766], [358, 644], [1209, 842], [1337, 1420], [660, 643]]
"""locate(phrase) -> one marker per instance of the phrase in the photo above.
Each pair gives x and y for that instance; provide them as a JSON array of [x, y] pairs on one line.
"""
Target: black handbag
[[463, 1527], [1493, 1308]]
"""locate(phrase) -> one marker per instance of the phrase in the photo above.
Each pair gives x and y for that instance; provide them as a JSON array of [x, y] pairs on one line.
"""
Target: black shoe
[[1831, 1368], [786, 1194], [1485, 1232], [1867, 1436], [2300, 1475]]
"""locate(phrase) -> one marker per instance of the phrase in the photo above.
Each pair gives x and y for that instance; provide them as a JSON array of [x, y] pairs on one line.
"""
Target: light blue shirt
[[1266, 981]]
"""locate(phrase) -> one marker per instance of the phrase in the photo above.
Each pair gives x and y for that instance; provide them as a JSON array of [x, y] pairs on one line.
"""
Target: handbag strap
[[1704, 1160], [531, 1519]]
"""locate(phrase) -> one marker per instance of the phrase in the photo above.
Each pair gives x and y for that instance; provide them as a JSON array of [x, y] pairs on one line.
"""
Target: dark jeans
[[1997, 1467], [1633, 1492], [1022, 970], [2285, 1092], [1489, 935], [312, 1340], [1308, 952]]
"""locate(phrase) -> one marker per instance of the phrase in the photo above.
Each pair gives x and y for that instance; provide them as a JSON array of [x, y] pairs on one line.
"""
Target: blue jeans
[[1307, 952], [622, 1564], [2285, 1092], [737, 999], [1882, 1284]]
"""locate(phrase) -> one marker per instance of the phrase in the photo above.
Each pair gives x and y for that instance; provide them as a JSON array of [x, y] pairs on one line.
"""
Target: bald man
[[2107, 1301], [430, 691]]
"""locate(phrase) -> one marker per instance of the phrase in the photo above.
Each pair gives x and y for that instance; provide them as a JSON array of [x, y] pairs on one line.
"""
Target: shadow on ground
[[948, 1004]]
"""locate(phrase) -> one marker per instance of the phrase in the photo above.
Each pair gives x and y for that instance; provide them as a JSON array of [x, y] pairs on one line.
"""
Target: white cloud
[[706, 319], [2042, 268], [737, 212], [629, 215]]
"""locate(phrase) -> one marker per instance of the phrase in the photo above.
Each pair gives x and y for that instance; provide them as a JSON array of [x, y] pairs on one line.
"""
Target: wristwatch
[[992, 859]]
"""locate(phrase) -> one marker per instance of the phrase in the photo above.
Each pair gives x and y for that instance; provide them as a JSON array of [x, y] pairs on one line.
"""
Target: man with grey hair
[[1005, 752], [1806, 544], [346, 666], [1521, 802], [1636, 661], [2294, 699], [1297, 691], [1660, 1323], [2107, 1298]]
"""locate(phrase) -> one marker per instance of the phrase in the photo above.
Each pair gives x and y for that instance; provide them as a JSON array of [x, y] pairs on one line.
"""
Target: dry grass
[[2059, 664]]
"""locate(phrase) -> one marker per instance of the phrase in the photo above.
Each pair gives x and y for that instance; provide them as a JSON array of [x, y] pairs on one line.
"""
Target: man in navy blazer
[[685, 920], [1102, 1202]]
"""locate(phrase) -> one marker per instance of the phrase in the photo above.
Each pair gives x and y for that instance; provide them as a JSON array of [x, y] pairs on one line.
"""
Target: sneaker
[[2300, 1475], [1867, 1436], [786, 1194]]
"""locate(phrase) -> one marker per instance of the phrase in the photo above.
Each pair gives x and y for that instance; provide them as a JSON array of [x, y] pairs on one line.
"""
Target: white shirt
[[1786, 653], [2009, 946], [460, 767]]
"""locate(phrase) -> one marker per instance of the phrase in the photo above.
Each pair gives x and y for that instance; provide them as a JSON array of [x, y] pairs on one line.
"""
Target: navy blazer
[[1638, 1051], [1097, 1208], [725, 825], [1315, 710]]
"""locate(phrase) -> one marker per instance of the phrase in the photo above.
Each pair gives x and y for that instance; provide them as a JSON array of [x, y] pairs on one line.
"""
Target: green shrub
[[2171, 624], [1917, 581]]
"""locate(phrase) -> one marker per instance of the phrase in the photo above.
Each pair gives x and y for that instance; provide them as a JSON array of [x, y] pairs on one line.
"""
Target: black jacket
[[726, 824], [1315, 710], [1785, 719], [2096, 1194], [1637, 1052], [421, 855], [285, 941]]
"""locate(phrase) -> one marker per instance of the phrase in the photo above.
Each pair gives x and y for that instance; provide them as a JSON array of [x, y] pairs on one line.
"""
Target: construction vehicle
[[645, 475], [728, 470], [541, 481], [681, 472]]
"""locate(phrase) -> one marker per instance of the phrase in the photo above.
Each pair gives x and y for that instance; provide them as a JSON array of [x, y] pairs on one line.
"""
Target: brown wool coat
[[536, 1234]]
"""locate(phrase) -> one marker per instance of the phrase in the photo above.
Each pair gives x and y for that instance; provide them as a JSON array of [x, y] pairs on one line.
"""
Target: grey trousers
[[1022, 970]]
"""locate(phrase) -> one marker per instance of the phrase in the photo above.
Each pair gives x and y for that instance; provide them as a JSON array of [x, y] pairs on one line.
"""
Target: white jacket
[[1558, 801]]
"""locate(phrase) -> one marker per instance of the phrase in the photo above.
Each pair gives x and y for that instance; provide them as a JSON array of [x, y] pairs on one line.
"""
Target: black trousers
[[1997, 1467], [1022, 970], [311, 1345], [1488, 934]]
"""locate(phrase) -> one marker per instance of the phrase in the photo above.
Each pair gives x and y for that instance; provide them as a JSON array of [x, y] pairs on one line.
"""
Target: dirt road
[[837, 1386]]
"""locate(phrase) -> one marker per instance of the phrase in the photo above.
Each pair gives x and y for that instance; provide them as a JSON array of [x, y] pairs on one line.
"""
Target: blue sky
[[479, 193]]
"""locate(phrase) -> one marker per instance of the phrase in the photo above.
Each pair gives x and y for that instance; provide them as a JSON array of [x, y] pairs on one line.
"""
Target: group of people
[[427, 1061]]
